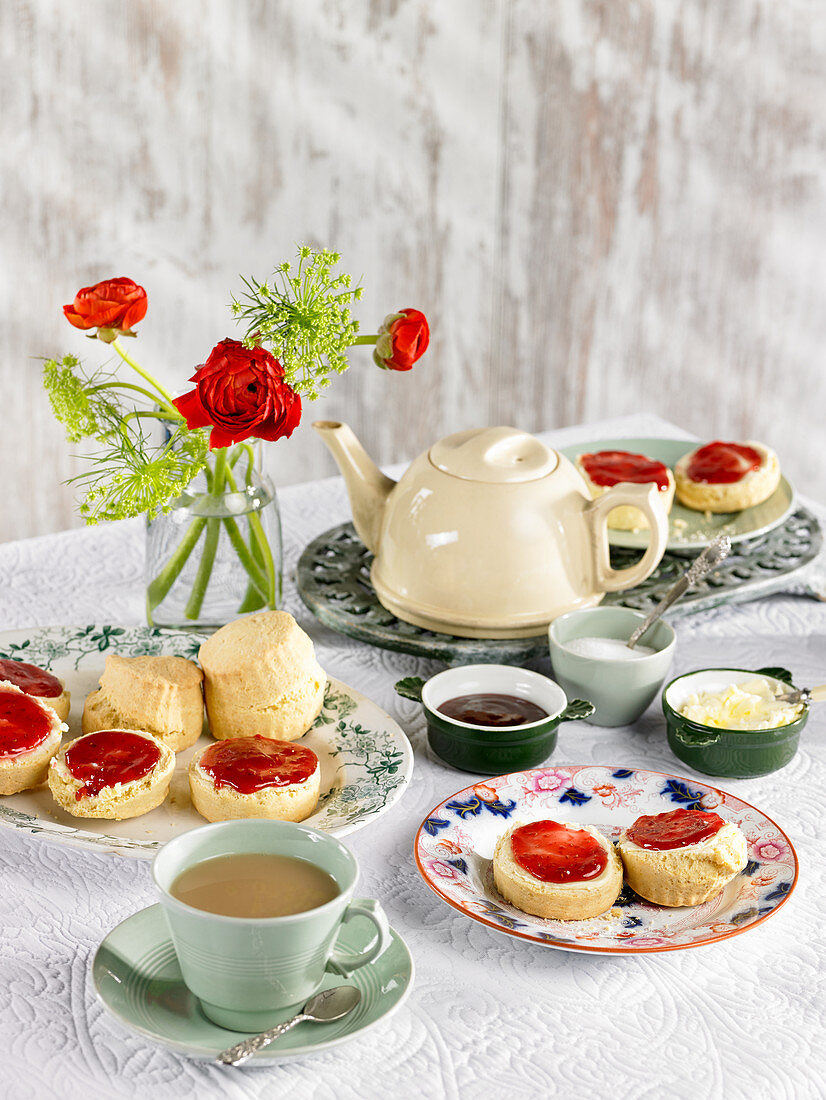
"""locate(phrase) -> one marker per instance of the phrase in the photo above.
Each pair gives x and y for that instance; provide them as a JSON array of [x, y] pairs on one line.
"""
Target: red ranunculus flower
[[240, 392], [116, 304], [403, 338]]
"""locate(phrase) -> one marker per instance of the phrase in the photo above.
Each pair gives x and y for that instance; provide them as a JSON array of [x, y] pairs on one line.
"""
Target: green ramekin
[[736, 754], [489, 750]]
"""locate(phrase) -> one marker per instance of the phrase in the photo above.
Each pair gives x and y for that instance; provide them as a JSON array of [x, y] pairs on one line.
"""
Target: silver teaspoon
[[325, 1007], [713, 554]]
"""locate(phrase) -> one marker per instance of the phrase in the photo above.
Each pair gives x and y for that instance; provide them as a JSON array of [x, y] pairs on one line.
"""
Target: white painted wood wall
[[602, 206]]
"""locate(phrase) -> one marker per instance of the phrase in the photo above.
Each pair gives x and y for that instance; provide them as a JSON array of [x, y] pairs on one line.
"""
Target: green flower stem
[[260, 543], [159, 587], [199, 586], [253, 600], [240, 547], [167, 397], [365, 339]]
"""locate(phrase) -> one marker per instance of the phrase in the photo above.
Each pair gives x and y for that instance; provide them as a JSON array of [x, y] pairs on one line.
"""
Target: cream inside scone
[[119, 800], [161, 695], [685, 876], [28, 769], [261, 677], [563, 900]]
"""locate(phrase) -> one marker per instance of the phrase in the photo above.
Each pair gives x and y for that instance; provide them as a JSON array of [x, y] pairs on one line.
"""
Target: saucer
[[137, 978]]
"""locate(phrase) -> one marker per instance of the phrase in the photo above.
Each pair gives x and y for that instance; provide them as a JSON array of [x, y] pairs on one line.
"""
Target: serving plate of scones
[[578, 841], [750, 498], [137, 764]]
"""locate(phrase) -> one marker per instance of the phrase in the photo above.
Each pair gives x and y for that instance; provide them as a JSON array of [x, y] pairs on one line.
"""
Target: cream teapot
[[490, 533]]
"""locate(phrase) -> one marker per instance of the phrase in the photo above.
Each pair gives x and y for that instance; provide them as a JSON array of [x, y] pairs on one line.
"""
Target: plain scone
[[757, 485], [557, 900], [119, 801], [28, 769], [685, 876], [160, 695], [292, 802], [261, 677]]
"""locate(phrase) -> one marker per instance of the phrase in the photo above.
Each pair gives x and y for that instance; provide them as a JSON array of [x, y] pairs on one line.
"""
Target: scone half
[[30, 735], [116, 799], [39, 683], [753, 488], [278, 799], [626, 517], [553, 900], [689, 875]]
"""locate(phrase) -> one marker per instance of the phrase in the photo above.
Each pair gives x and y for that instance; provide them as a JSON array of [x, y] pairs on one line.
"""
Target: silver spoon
[[713, 554], [803, 695], [325, 1007]]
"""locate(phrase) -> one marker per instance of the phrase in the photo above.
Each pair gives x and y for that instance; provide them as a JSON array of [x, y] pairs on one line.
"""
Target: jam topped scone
[[559, 871], [38, 683], [160, 695], [254, 777], [727, 477], [30, 734], [683, 857], [604, 469], [112, 774]]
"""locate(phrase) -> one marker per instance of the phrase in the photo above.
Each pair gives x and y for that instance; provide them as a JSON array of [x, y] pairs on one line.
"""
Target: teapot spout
[[366, 484]]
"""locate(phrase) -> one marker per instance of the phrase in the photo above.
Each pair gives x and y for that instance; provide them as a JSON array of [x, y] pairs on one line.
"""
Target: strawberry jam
[[611, 467], [554, 853], [24, 724], [30, 678], [110, 756], [723, 463], [249, 764], [677, 829]]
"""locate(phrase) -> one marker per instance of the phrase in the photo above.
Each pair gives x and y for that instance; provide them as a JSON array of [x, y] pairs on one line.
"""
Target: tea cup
[[248, 971]]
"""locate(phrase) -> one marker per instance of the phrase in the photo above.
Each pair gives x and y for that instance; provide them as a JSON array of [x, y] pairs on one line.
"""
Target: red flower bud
[[240, 392], [403, 338], [114, 304]]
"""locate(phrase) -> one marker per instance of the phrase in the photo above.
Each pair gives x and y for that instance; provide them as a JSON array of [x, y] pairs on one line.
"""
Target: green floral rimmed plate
[[690, 530], [137, 977], [366, 759]]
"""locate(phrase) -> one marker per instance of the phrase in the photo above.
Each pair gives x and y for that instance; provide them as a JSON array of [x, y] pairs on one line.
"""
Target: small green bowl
[[487, 750], [736, 754]]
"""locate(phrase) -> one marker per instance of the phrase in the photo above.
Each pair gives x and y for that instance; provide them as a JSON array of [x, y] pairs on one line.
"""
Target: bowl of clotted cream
[[729, 721]]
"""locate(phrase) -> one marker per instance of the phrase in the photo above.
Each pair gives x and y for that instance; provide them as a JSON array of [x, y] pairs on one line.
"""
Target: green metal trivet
[[334, 583]]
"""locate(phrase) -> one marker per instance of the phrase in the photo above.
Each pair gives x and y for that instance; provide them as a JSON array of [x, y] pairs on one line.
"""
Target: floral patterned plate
[[366, 760], [455, 843]]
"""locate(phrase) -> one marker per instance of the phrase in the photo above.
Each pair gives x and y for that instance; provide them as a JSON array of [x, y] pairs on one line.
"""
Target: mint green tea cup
[[248, 972]]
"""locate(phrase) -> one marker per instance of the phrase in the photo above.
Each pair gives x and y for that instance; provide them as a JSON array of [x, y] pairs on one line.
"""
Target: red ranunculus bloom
[[240, 392], [115, 303], [403, 338]]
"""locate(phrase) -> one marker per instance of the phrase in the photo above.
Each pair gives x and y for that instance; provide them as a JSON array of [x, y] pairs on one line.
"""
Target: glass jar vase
[[214, 555]]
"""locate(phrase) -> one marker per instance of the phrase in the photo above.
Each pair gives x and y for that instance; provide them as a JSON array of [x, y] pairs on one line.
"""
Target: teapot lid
[[493, 454]]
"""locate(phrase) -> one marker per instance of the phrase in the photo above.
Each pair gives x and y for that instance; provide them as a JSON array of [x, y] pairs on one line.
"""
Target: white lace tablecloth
[[489, 1015]]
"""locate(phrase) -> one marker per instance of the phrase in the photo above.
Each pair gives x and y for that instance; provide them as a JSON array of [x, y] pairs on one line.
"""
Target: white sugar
[[607, 649]]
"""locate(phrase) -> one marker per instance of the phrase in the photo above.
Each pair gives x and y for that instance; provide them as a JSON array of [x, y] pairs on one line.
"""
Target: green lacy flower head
[[303, 316], [73, 399]]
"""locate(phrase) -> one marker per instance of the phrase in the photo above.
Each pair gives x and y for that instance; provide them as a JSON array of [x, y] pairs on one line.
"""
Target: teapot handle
[[647, 499]]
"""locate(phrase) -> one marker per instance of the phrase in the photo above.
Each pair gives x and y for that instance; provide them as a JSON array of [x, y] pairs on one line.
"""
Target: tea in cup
[[254, 908]]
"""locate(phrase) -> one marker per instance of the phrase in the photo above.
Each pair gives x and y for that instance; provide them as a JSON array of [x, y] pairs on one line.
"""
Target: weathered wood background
[[602, 206]]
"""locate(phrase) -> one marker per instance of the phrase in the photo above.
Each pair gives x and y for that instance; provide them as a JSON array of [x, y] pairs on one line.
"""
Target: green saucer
[[137, 977]]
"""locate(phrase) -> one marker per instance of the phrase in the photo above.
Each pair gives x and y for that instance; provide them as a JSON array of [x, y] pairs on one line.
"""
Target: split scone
[[559, 871], [38, 683], [604, 469], [30, 733], [683, 857], [114, 774], [261, 678], [727, 477], [159, 695], [254, 777]]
